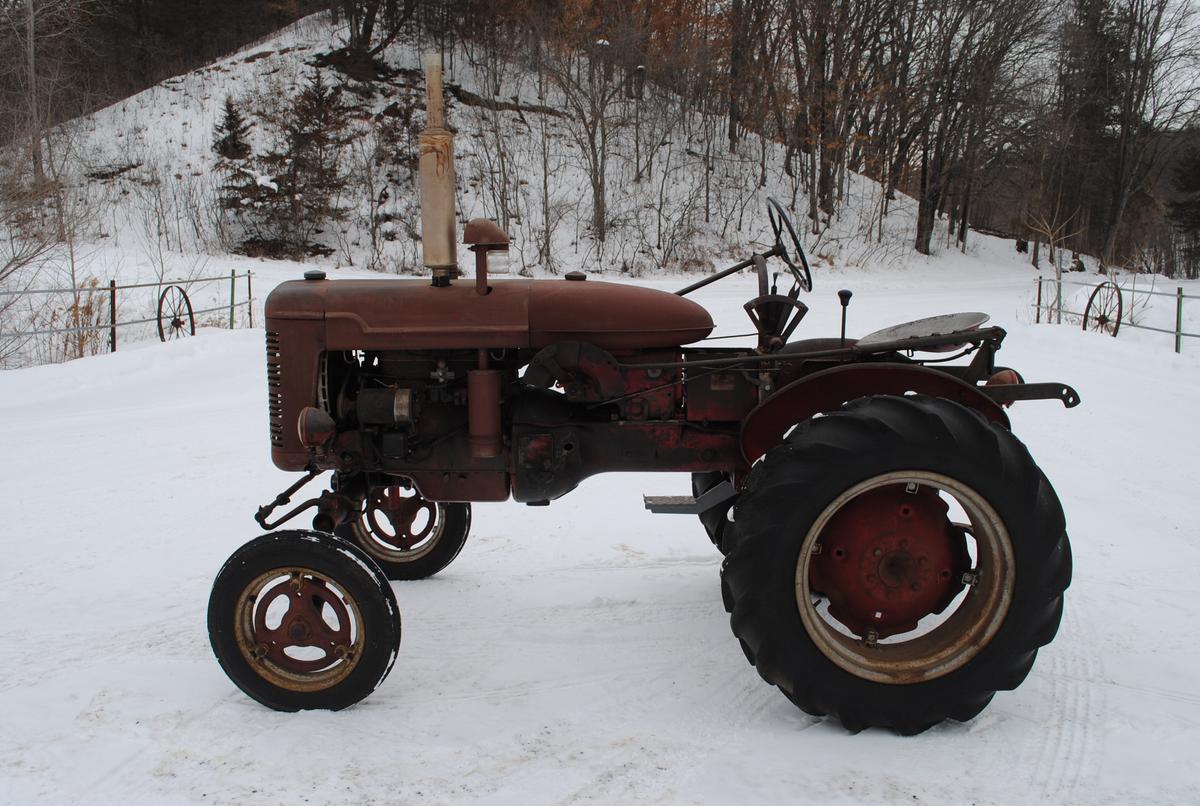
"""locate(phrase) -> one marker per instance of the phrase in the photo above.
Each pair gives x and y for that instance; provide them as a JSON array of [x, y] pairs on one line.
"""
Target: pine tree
[[285, 196], [230, 133], [309, 166]]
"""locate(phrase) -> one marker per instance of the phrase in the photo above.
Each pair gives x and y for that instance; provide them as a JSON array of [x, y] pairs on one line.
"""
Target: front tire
[[302, 620], [853, 588], [408, 536]]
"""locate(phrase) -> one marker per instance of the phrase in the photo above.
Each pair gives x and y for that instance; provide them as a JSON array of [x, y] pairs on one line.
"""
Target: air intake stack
[[438, 246]]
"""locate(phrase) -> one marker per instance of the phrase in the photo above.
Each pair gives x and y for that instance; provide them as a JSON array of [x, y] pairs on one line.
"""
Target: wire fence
[[1105, 310], [174, 314]]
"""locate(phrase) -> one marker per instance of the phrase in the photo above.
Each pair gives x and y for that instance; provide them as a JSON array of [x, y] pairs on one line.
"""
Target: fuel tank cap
[[575, 275], [314, 274]]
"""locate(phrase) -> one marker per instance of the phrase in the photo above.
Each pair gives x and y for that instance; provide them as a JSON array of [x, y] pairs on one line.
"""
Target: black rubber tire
[[456, 527], [339, 562], [716, 520], [788, 490]]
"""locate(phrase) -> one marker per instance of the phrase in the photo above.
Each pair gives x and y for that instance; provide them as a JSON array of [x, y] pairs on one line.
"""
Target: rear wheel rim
[[946, 642]]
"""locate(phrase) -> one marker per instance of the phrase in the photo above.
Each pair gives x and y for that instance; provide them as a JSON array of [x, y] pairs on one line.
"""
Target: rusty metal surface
[[484, 387], [463, 485], [585, 372], [550, 462], [484, 232], [919, 655], [652, 394], [294, 351], [390, 517], [829, 389], [1006, 394], [412, 315], [613, 316], [888, 558], [718, 395], [301, 625], [799, 364], [470, 431]]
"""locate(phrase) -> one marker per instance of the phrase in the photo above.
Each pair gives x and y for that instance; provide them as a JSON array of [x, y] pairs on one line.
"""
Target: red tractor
[[893, 555]]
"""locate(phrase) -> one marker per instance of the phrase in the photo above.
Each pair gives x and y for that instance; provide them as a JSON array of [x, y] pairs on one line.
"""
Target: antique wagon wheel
[[1104, 308], [175, 318]]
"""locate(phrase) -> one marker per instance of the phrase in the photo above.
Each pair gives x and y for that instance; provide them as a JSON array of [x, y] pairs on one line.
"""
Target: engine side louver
[[274, 389]]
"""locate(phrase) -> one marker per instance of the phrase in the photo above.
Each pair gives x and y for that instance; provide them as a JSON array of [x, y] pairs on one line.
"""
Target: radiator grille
[[274, 389]]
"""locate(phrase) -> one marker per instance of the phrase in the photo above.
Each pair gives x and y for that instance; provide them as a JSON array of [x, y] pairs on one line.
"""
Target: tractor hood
[[413, 315]]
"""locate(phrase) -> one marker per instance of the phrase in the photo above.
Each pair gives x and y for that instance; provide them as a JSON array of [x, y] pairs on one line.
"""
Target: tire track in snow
[[1067, 753], [91, 788]]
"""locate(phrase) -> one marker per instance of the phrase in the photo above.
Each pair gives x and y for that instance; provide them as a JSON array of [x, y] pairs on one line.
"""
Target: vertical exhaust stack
[[438, 246]]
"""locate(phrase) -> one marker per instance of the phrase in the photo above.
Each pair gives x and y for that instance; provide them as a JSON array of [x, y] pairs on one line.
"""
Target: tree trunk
[[737, 50], [925, 206], [35, 118], [963, 223]]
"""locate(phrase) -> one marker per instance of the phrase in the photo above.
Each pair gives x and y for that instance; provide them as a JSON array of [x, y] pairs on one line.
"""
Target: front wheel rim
[[943, 647], [264, 637], [398, 525]]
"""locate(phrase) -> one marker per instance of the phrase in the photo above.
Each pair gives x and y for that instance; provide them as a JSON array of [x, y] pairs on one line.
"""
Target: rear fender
[[766, 424]]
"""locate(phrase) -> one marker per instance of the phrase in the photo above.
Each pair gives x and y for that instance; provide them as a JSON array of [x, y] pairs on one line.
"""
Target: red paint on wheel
[[888, 558]]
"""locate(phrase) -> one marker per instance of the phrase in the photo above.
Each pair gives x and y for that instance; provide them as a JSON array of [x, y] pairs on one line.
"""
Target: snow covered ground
[[580, 651]]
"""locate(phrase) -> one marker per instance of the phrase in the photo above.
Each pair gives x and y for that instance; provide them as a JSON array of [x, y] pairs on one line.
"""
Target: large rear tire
[[896, 563]]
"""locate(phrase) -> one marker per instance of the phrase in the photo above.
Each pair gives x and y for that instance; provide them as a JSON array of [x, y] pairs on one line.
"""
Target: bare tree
[[595, 119], [38, 37], [367, 19], [1161, 93]]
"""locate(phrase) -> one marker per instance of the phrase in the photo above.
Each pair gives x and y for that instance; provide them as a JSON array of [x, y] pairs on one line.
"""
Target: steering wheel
[[780, 221]]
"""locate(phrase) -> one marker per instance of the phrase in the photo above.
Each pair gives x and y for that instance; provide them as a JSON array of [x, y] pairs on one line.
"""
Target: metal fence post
[[250, 296], [232, 294], [1038, 315], [112, 316], [1058, 293], [1178, 318]]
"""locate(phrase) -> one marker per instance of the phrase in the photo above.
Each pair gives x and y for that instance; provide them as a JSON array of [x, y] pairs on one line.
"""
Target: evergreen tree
[[230, 133], [285, 196]]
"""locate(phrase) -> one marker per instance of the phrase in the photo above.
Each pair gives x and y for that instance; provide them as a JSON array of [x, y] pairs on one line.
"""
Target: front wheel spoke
[[402, 526], [329, 637], [411, 512]]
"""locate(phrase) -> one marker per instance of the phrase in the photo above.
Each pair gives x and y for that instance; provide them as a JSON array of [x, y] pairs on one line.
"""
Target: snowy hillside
[[152, 172], [578, 652]]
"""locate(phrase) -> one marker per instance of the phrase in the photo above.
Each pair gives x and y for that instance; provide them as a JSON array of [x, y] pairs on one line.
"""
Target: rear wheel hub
[[888, 558]]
